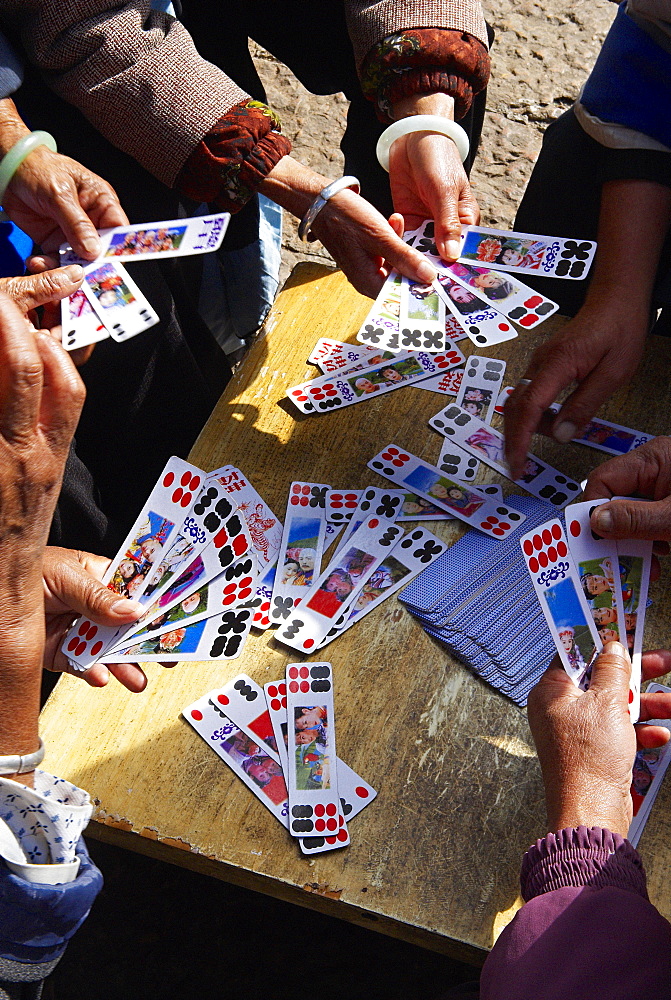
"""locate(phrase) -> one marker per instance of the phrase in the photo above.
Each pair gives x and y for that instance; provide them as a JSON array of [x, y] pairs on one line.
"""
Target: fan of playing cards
[[109, 303]]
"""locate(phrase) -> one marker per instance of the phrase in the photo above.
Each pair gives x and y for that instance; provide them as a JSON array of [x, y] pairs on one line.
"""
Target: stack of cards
[[280, 741], [109, 303]]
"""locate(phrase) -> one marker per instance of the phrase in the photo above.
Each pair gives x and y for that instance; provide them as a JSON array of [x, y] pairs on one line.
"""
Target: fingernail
[[564, 432], [613, 648], [452, 248], [603, 519], [128, 608], [74, 272], [426, 272]]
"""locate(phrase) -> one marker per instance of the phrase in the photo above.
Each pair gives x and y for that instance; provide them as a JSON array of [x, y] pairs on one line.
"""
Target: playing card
[[174, 238], [480, 386], [219, 638], [416, 508], [80, 325], [465, 502], [549, 256], [634, 561], [129, 572], [231, 589], [328, 393], [479, 321], [302, 547], [311, 774], [260, 602], [341, 504], [244, 702], [596, 559], [372, 502], [506, 294], [118, 302], [262, 775], [345, 357], [454, 461], [421, 322], [487, 444], [560, 595], [647, 775], [407, 557], [380, 327], [265, 529], [447, 384], [339, 585]]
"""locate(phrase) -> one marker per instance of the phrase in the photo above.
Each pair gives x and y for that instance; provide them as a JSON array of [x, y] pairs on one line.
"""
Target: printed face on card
[[303, 537], [478, 320], [479, 388], [486, 443], [244, 702], [117, 300], [422, 317], [265, 529], [457, 498], [380, 327], [505, 294], [262, 775], [611, 438], [219, 638], [559, 591], [174, 238], [79, 323], [634, 562], [549, 256], [346, 357]]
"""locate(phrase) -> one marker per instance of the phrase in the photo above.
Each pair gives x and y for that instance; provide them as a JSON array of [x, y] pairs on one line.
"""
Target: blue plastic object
[[15, 246]]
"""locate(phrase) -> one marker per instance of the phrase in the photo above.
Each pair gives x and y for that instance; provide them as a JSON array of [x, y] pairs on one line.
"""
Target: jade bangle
[[13, 159]]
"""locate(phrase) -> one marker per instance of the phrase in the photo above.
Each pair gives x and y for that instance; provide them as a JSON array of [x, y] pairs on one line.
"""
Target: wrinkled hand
[[600, 349], [428, 181], [644, 472], [586, 742], [55, 199], [365, 245], [72, 587]]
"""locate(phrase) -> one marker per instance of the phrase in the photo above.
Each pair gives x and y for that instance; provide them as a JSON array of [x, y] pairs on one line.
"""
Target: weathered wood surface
[[435, 859]]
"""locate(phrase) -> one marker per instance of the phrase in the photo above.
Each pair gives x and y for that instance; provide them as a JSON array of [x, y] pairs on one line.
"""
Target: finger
[[524, 410], [79, 591], [41, 262], [78, 229], [469, 210], [130, 675], [656, 705], [33, 290], [409, 262], [645, 471], [582, 404], [656, 663], [21, 375], [651, 737], [96, 676], [660, 549], [612, 670], [63, 394], [633, 519], [397, 223]]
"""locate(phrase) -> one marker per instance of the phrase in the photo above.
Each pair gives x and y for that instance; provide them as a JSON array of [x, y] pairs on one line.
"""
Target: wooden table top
[[435, 859]]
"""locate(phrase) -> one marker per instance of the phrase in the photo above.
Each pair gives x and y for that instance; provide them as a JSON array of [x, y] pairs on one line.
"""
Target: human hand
[[586, 742], [55, 199], [644, 472], [600, 349]]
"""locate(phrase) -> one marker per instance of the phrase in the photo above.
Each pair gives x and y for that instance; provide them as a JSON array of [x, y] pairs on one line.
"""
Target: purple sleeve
[[587, 927]]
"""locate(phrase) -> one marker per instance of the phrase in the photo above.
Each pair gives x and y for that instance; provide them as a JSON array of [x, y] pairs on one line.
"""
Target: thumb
[[81, 592], [612, 670], [32, 290], [633, 519]]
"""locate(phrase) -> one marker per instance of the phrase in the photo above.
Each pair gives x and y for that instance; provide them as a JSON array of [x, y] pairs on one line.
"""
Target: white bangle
[[324, 195], [21, 763], [421, 123]]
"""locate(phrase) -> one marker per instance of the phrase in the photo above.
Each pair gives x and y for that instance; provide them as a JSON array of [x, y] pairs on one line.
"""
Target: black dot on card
[[346, 807], [405, 543], [312, 843], [376, 465], [301, 811], [572, 486], [319, 671], [512, 515], [416, 535], [320, 686], [480, 339], [302, 826]]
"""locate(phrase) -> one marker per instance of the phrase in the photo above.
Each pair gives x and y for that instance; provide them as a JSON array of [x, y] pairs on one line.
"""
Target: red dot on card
[[398, 462], [97, 648], [282, 688], [331, 809], [265, 606], [230, 589], [245, 593], [196, 714], [305, 490], [220, 538], [486, 525], [293, 687], [574, 528], [361, 792], [186, 499], [538, 542], [80, 649], [284, 702], [342, 835], [308, 644], [275, 704], [504, 327], [74, 642], [341, 821], [257, 617], [319, 810], [505, 526], [631, 696], [529, 320], [169, 479], [304, 501], [373, 523], [543, 559], [556, 531], [320, 825], [330, 840], [393, 451], [534, 301], [547, 536], [305, 686], [533, 564], [296, 488], [92, 631], [552, 554], [331, 824], [177, 495], [301, 397], [186, 479], [304, 672], [222, 699], [528, 547], [195, 482], [83, 628], [561, 549], [295, 500], [498, 531], [293, 672]]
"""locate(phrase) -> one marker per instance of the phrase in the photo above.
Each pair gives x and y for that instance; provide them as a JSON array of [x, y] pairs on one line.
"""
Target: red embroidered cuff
[[425, 61], [230, 162]]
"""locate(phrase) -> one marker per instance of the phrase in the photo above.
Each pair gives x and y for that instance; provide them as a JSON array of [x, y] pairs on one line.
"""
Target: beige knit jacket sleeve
[[136, 75]]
